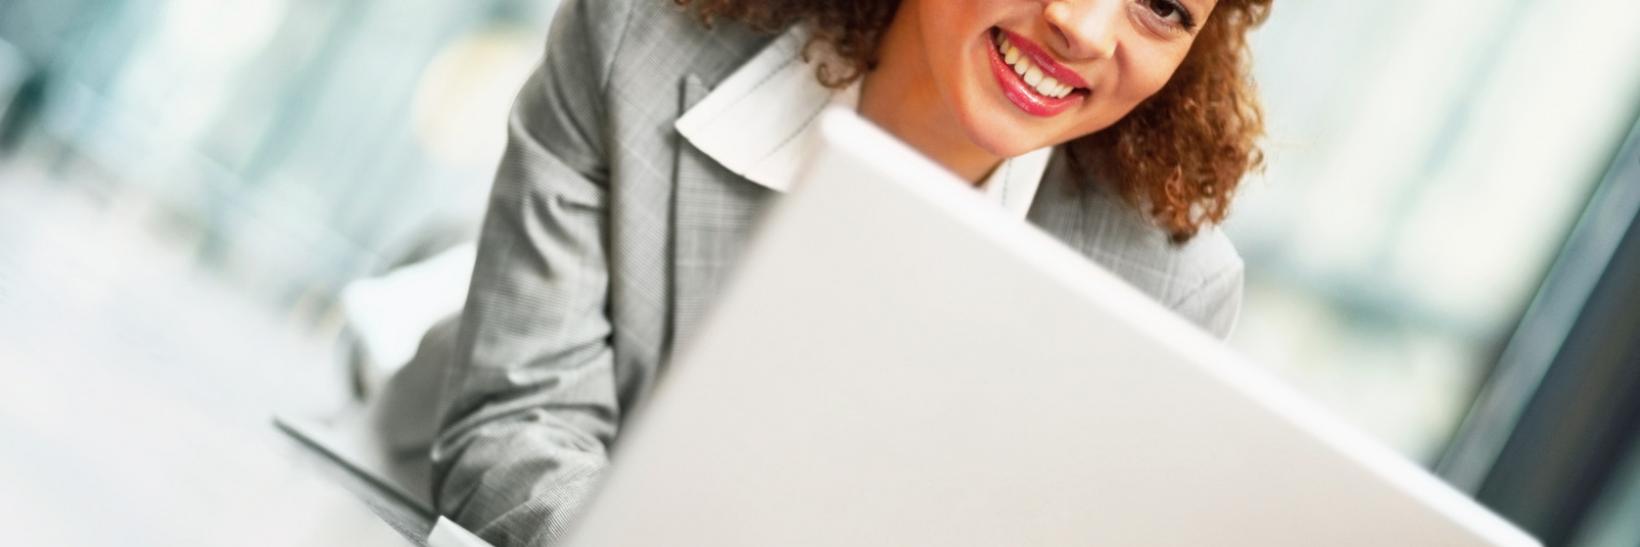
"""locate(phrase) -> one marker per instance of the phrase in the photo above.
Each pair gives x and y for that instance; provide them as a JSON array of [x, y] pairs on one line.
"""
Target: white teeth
[[1032, 74], [1049, 86]]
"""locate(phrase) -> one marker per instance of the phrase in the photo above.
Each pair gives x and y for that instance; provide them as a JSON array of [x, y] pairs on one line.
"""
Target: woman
[[651, 135]]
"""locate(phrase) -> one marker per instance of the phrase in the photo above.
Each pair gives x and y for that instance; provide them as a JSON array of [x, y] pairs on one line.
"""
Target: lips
[[1031, 79]]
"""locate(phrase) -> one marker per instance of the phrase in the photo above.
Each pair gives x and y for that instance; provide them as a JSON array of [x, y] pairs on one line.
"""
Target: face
[[1024, 74]]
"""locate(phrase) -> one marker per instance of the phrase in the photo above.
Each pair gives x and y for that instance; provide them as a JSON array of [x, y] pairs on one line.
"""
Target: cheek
[[954, 38], [1147, 73], [948, 30], [1139, 76]]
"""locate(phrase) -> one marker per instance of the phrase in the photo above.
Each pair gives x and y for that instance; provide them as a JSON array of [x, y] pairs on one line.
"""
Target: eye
[[1172, 12]]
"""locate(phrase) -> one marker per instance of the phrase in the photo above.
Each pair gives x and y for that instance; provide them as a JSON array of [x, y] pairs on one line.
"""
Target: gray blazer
[[606, 236]]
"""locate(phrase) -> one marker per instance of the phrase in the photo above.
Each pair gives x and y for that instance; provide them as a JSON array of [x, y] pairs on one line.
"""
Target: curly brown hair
[[1178, 156]]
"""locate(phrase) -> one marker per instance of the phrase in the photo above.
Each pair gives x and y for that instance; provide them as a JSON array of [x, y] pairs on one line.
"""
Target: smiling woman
[[645, 145], [1160, 108]]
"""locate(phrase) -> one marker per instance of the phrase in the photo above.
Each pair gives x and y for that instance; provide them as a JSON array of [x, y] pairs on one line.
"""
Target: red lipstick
[[1044, 61], [1024, 95]]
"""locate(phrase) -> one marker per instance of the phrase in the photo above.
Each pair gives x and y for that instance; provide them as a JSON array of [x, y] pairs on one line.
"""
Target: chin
[[988, 119], [997, 132]]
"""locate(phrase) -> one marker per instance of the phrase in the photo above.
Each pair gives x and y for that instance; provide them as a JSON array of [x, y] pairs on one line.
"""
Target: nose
[[1086, 28]]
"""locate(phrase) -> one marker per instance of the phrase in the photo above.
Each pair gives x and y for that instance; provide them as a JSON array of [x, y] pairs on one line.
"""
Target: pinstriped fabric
[[607, 237]]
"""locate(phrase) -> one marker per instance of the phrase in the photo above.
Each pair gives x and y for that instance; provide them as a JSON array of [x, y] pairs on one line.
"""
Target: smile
[[1032, 80]]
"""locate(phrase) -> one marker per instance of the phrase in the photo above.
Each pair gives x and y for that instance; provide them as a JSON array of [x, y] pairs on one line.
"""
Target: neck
[[899, 95]]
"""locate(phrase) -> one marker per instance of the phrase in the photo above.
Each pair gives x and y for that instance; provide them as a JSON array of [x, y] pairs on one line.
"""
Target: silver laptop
[[898, 363]]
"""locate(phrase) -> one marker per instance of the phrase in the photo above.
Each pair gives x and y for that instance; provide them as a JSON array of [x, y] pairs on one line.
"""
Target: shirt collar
[[759, 123]]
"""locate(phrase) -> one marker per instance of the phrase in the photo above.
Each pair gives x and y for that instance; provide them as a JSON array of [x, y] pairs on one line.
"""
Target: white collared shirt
[[760, 124]]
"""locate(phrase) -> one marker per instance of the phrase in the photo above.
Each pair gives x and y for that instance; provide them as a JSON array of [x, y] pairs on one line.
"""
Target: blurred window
[[1613, 522], [1426, 161], [303, 143]]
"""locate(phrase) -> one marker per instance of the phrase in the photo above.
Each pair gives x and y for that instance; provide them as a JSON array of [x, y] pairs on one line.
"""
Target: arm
[[531, 392]]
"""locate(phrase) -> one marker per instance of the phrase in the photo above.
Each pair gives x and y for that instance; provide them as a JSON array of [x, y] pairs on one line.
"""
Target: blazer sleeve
[[530, 393]]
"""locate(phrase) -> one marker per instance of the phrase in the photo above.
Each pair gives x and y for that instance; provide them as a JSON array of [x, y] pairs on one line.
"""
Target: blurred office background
[[1441, 249]]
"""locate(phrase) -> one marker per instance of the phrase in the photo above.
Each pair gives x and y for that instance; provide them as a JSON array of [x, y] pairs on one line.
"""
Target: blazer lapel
[[713, 211], [740, 145]]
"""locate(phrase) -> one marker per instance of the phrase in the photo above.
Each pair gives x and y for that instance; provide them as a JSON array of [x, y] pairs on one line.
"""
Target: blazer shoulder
[[1135, 242], [617, 65], [584, 39], [1104, 227], [662, 42], [612, 33]]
